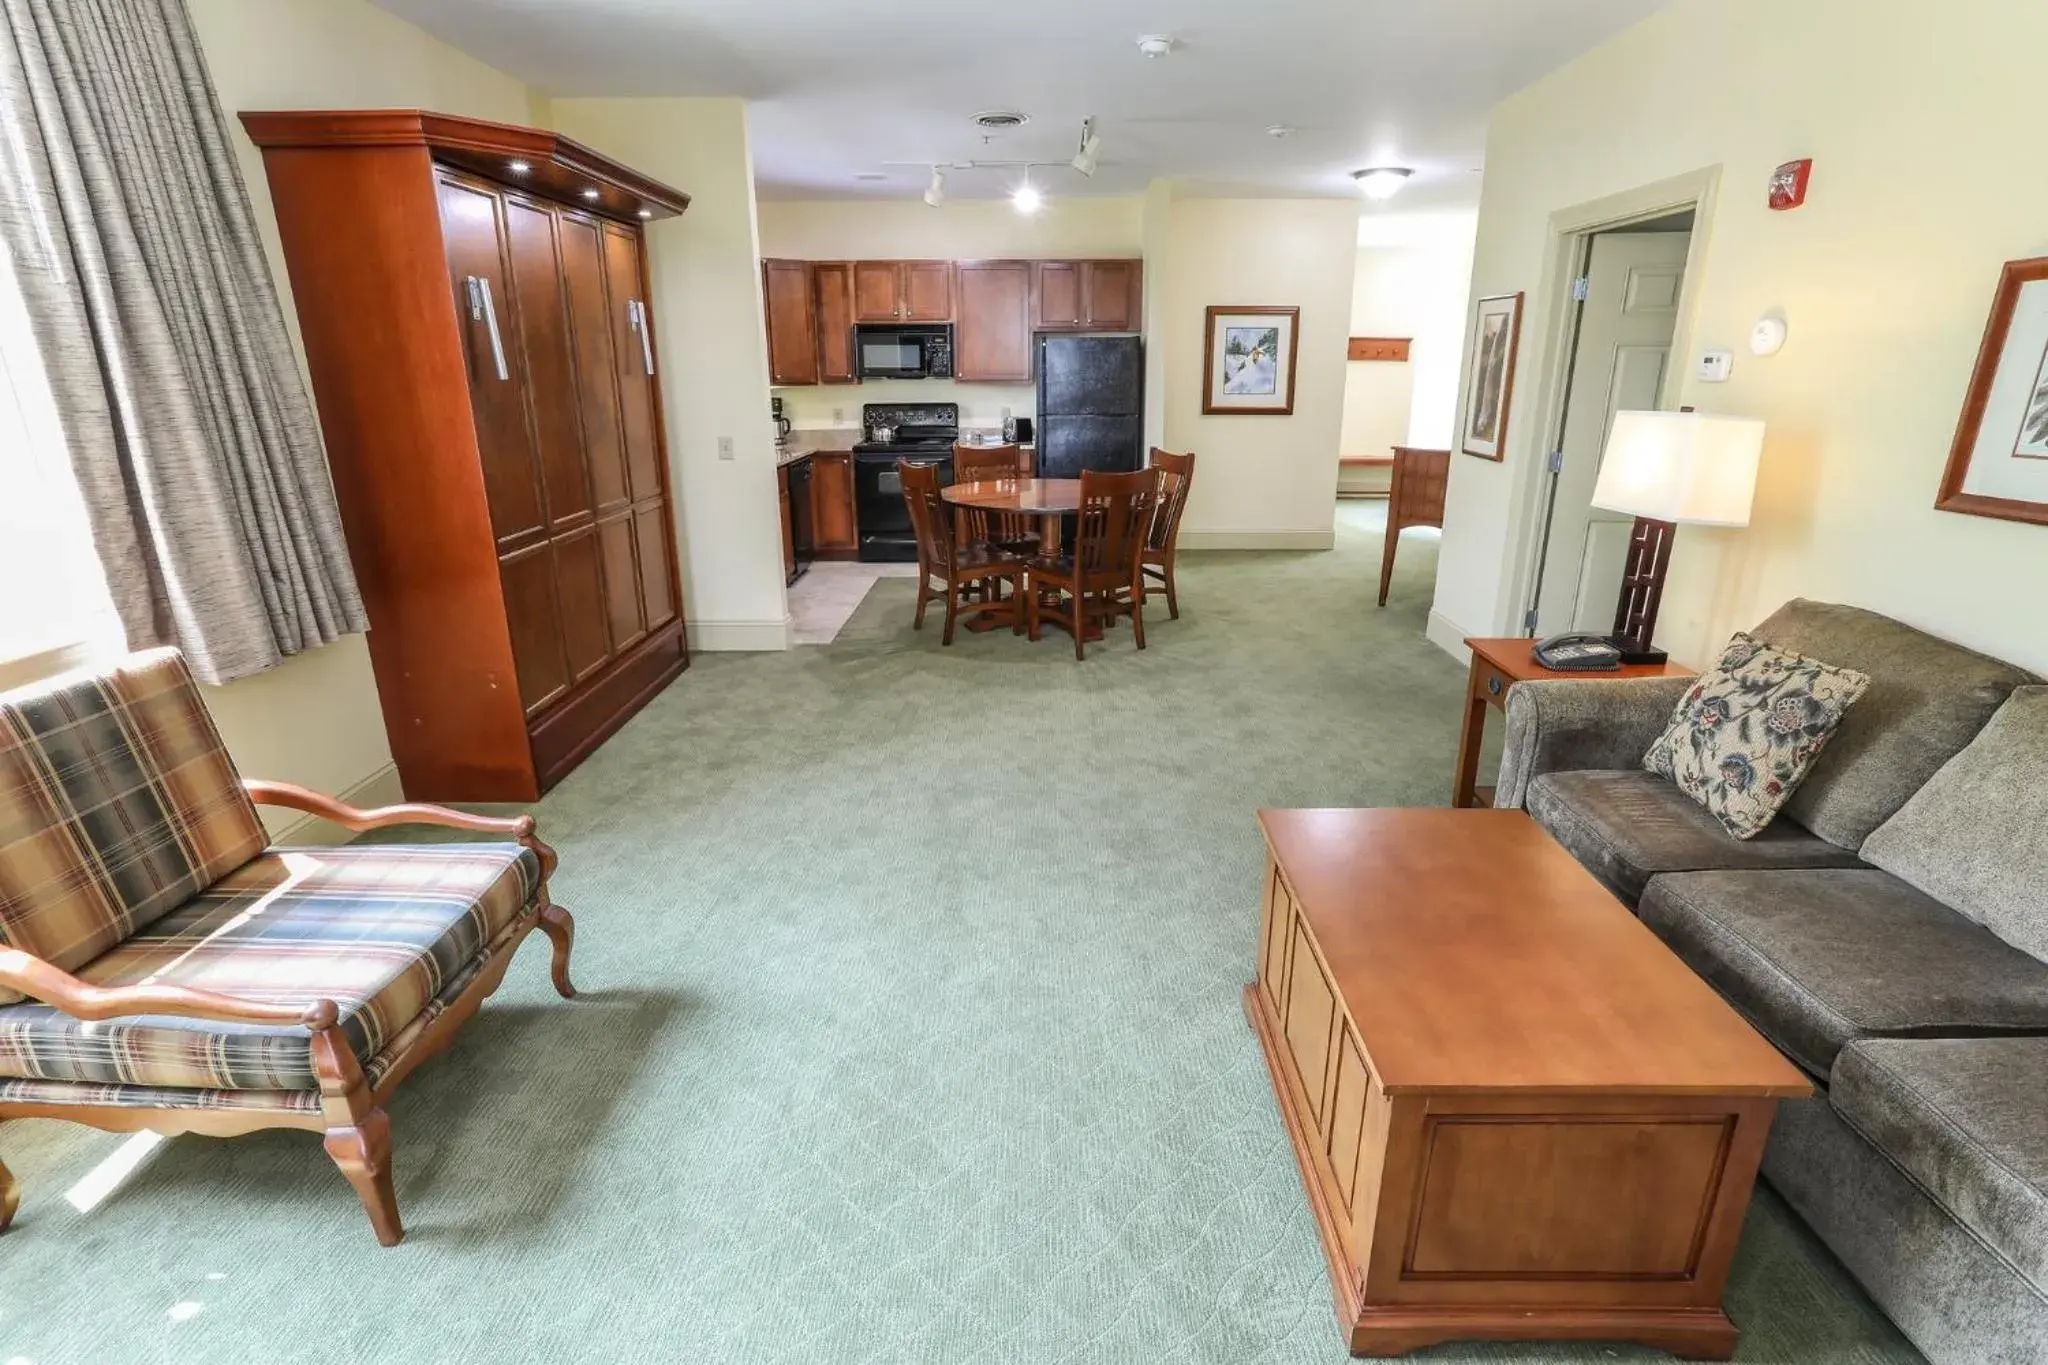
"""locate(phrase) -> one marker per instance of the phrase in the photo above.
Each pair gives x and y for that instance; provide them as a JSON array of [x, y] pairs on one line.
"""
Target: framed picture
[[1251, 360], [1490, 374], [1998, 466]]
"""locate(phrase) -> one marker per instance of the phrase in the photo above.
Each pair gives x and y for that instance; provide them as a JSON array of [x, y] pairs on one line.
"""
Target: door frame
[[1568, 246]]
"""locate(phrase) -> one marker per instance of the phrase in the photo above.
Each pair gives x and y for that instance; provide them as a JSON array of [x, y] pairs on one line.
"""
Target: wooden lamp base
[[1642, 591]]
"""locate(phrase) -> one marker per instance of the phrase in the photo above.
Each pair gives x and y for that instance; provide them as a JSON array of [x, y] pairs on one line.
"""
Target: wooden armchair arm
[[54, 986], [518, 827]]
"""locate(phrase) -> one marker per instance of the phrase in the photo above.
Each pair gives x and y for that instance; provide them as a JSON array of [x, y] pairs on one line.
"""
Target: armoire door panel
[[550, 364], [651, 530], [472, 226], [621, 580], [528, 581], [597, 364], [634, 340], [579, 586]]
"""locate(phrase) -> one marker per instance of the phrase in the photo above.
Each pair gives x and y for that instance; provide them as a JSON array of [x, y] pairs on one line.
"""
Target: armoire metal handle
[[482, 310], [636, 318]]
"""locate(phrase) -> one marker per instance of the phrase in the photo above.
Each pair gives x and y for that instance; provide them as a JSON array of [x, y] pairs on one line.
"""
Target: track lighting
[[935, 193], [1091, 145], [1027, 200]]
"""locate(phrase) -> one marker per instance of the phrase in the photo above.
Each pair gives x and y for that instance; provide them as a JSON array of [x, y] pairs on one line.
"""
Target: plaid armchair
[[163, 967]]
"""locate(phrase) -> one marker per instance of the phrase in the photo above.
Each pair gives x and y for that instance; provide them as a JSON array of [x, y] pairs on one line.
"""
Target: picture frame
[[1248, 361], [1998, 463], [1490, 355]]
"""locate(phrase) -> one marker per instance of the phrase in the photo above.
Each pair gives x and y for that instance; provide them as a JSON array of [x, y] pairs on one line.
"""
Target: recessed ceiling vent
[[1000, 120]]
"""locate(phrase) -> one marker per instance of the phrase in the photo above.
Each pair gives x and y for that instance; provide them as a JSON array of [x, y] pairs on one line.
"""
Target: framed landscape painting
[[1490, 374], [1998, 466], [1251, 360]]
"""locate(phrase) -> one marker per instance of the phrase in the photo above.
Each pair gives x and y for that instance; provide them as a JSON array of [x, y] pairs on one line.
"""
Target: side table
[[1497, 665]]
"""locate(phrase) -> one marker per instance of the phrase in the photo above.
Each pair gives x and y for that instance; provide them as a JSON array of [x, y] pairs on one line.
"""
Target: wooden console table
[[1416, 499], [1517, 1114], [1497, 665]]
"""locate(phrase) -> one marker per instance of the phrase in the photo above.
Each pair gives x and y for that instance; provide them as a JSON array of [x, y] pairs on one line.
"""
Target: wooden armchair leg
[[364, 1154], [560, 927], [10, 1196]]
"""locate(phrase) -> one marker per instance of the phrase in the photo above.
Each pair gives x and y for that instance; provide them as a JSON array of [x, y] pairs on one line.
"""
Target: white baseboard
[[723, 637], [1258, 540], [380, 788], [1448, 636]]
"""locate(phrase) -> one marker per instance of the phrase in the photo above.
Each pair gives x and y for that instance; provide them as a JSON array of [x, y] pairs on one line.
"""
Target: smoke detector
[[1155, 44], [1000, 120], [1280, 130]]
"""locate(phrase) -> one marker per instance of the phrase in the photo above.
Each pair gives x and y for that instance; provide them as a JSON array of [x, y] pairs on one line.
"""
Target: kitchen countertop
[[807, 441]]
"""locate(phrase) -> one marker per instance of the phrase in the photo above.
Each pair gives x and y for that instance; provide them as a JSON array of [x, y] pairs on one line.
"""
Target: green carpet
[[911, 1032]]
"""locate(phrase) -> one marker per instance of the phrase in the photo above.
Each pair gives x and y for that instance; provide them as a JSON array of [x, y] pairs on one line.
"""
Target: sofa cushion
[[1967, 1120], [1972, 838], [118, 802], [1745, 734], [1818, 959], [1628, 826], [380, 929], [1927, 699]]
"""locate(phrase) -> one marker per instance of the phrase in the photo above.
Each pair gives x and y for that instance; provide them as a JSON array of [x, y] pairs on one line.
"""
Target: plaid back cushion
[[118, 803]]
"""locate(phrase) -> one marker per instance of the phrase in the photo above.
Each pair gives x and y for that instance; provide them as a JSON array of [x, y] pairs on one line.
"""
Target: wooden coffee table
[[1517, 1114]]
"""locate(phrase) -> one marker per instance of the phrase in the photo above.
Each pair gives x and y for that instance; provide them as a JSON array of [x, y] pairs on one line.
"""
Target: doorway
[[1627, 296]]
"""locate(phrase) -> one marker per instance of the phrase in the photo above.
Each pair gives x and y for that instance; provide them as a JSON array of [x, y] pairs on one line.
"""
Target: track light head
[[1091, 147], [935, 193]]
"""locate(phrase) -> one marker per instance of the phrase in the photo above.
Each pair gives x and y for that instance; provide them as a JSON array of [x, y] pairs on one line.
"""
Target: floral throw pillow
[[1748, 731]]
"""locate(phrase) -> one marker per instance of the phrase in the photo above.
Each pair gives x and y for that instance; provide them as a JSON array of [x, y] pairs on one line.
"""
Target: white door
[[1631, 310]]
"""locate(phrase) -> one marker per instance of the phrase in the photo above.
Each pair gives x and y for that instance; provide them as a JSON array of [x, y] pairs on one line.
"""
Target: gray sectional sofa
[[1889, 932]]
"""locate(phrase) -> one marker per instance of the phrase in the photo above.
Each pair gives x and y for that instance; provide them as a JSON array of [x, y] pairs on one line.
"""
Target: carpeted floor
[[910, 1032]]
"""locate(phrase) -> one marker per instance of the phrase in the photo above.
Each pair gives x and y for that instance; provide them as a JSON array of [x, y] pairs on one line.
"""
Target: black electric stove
[[923, 433]]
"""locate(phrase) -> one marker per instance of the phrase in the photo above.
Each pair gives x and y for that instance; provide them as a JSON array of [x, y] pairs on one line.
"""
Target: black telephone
[[1578, 653]]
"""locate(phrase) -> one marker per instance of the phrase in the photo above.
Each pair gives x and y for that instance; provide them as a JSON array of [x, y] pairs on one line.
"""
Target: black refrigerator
[[1091, 405]]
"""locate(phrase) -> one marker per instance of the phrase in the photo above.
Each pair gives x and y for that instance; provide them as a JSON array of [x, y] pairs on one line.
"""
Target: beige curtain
[[126, 223]]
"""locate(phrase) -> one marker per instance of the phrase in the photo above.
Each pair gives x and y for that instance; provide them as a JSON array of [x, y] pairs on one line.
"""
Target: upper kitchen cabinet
[[992, 336], [902, 291], [1086, 296], [792, 322], [832, 292]]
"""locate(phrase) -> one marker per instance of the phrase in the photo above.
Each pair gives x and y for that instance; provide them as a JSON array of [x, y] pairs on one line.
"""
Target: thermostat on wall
[[1714, 367]]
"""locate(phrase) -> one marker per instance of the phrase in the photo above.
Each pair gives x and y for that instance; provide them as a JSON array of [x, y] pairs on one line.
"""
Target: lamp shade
[[1697, 468]]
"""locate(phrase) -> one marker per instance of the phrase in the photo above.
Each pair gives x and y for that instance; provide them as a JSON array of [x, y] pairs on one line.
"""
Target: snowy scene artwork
[[1251, 360]]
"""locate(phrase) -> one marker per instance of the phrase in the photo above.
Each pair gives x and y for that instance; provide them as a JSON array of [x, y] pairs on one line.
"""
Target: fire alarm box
[[1788, 183]]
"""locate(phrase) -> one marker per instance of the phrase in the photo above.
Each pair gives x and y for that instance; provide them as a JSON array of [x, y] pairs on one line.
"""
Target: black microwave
[[899, 351]]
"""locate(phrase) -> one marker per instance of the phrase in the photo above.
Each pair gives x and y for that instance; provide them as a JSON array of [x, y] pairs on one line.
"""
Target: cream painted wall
[[1260, 480], [1377, 393], [714, 379], [962, 230], [315, 720], [1884, 277]]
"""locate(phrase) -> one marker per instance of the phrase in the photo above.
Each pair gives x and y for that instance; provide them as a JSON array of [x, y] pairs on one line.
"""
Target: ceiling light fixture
[[1091, 147], [1155, 45], [1027, 200], [1381, 182], [935, 193], [1280, 130]]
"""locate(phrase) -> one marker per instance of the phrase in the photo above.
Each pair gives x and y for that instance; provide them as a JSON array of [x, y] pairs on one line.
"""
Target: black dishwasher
[[800, 535]]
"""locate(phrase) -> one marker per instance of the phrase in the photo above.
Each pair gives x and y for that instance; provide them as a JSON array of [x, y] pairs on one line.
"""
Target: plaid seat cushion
[[383, 930], [118, 803]]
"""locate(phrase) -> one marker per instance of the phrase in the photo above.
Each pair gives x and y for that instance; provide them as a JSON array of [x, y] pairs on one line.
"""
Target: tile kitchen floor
[[821, 601]]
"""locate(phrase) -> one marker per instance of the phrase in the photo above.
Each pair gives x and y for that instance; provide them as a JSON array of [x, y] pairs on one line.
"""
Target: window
[[54, 607]]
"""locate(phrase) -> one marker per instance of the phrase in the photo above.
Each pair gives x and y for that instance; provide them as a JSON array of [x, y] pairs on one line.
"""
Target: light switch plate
[[1714, 367], [725, 447]]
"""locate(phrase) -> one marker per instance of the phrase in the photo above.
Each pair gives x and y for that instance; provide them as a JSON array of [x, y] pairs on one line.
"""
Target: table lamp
[[1668, 469]]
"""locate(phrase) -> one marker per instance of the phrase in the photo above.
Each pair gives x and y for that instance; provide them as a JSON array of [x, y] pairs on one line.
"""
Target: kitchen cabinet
[[792, 322], [902, 291], [1086, 296], [992, 336], [1056, 291], [484, 361], [832, 295], [834, 534]]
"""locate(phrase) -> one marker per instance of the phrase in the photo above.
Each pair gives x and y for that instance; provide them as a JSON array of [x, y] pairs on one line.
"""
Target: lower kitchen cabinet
[[833, 532]]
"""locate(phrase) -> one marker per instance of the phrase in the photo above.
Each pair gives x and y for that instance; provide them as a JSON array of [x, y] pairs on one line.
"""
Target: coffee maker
[[781, 422]]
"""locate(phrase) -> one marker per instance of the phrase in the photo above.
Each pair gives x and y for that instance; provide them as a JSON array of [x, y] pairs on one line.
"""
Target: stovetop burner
[[919, 428]]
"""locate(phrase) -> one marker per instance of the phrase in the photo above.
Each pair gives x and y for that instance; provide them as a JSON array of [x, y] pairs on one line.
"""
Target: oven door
[[889, 353], [885, 533]]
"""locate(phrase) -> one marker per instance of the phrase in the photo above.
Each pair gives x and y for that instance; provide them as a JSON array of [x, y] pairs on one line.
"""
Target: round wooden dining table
[[1047, 499]]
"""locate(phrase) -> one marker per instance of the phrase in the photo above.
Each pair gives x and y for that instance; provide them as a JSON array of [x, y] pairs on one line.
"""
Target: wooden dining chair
[[1013, 532], [958, 567], [1176, 476], [1099, 578]]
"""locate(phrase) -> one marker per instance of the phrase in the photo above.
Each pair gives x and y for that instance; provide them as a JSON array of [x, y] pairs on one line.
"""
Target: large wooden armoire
[[473, 299]]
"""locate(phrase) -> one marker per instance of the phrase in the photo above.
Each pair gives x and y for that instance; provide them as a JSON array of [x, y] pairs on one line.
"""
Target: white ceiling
[[840, 87]]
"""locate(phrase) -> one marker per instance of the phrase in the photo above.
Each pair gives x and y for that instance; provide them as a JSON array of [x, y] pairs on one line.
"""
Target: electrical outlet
[[839, 417], [725, 447]]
